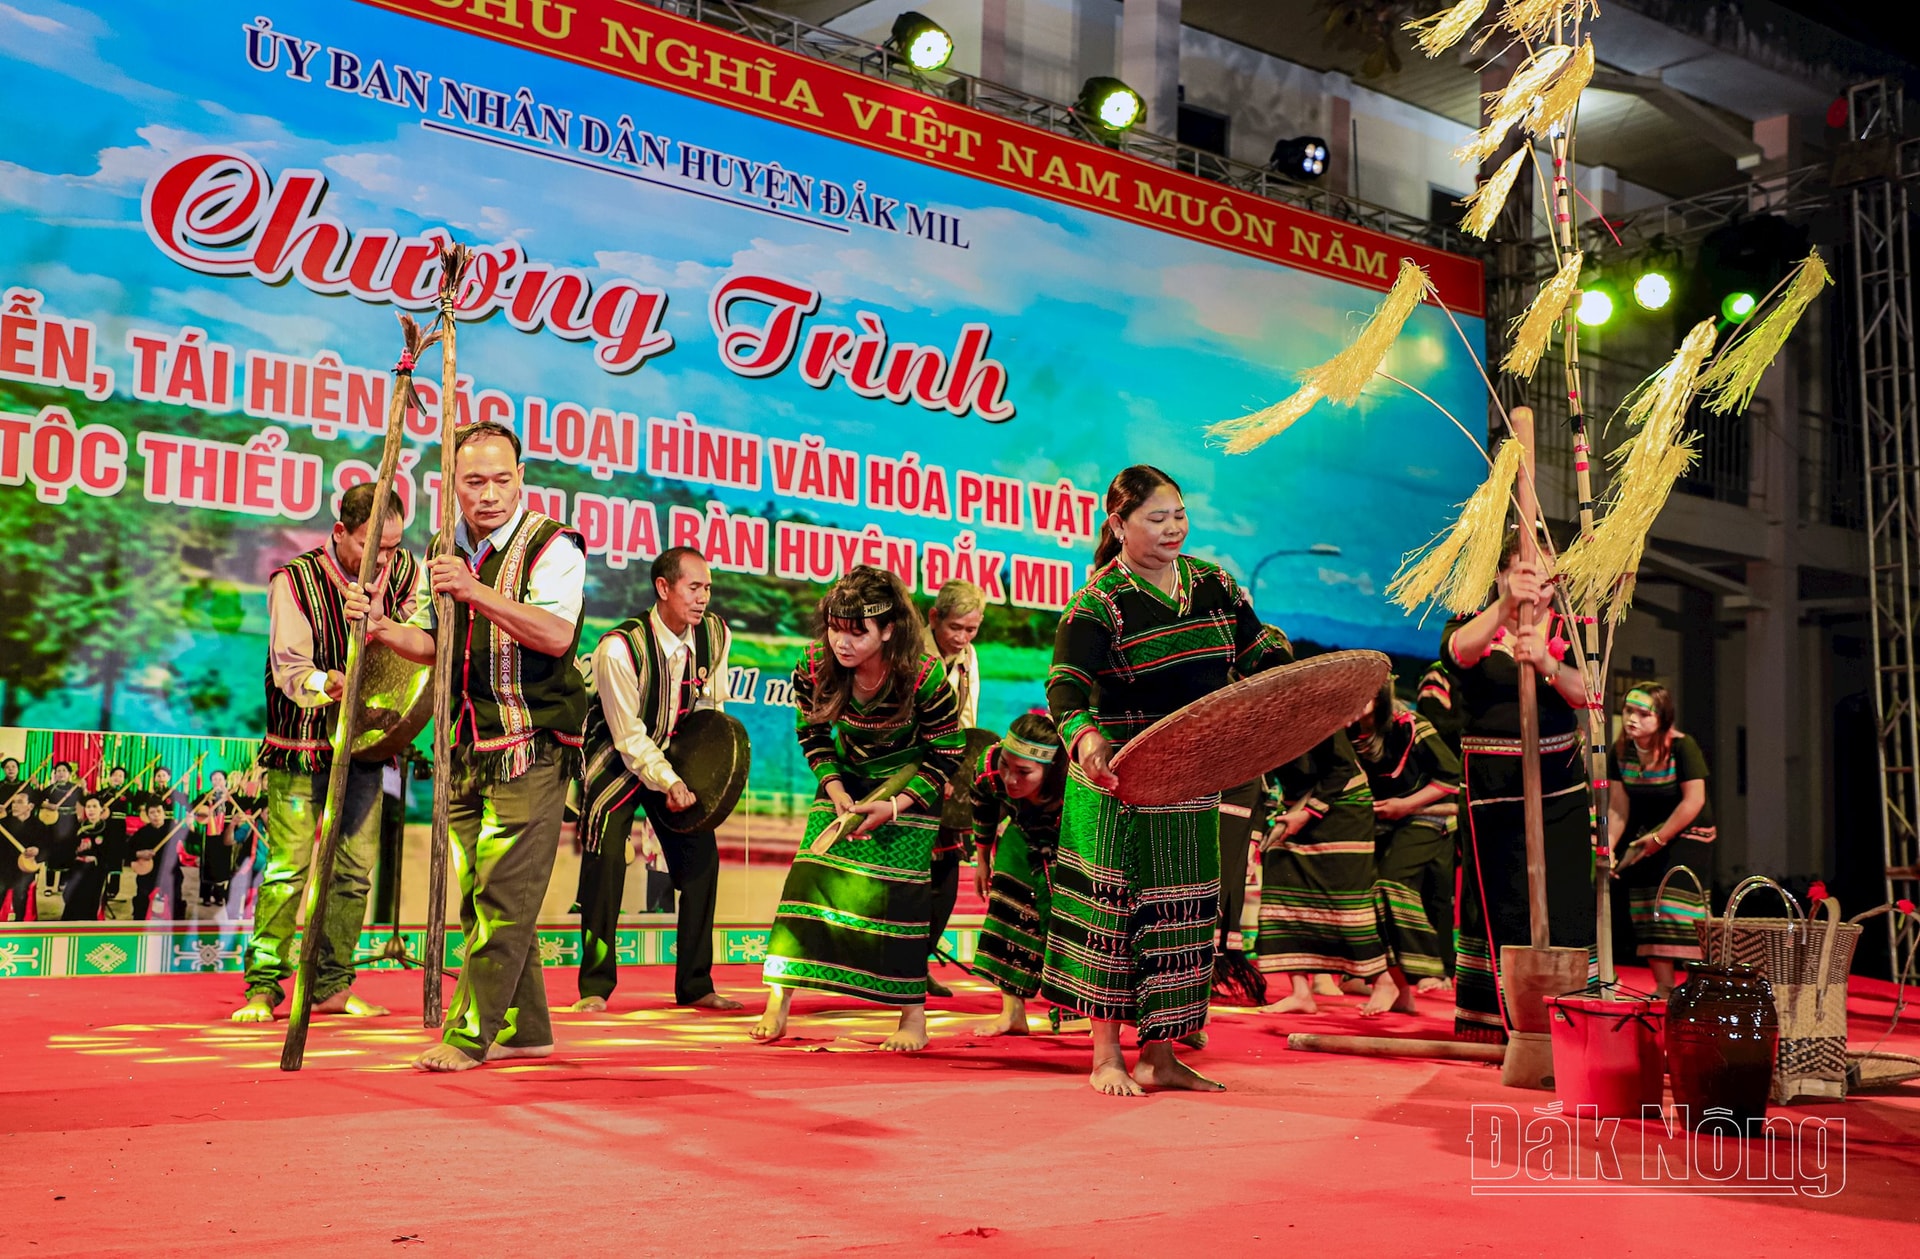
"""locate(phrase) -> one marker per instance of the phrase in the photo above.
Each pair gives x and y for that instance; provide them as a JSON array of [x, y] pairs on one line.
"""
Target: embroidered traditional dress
[[1013, 940], [301, 739], [1136, 892], [854, 919], [1317, 892], [1493, 879], [1667, 929], [1415, 853]]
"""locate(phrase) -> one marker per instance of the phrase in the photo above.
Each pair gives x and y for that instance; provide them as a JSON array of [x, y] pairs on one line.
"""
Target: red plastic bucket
[[1607, 1054]]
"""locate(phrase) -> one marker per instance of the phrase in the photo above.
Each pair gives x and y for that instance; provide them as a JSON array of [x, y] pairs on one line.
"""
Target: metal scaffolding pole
[[1890, 432]]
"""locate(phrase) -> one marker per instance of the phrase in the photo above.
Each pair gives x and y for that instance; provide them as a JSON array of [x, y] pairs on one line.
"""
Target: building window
[[1202, 129]]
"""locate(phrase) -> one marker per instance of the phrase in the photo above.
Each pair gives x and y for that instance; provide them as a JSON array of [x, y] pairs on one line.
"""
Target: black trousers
[[693, 863], [18, 884], [946, 893], [84, 889]]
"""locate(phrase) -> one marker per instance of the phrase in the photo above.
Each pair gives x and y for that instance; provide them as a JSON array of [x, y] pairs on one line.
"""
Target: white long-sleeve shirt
[[616, 686]]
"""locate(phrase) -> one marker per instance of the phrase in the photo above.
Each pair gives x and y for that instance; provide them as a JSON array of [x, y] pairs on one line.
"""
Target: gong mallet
[[453, 264], [333, 817], [1529, 974], [840, 827]]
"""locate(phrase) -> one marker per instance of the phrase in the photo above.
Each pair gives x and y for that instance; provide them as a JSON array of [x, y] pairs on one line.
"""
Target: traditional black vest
[[609, 784], [507, 697], [301, 739]]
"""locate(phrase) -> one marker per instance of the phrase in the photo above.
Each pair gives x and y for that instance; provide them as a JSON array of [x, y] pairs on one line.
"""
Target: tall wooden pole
[[453, 261], [1589, 626], [1539, 923], [333, 817]]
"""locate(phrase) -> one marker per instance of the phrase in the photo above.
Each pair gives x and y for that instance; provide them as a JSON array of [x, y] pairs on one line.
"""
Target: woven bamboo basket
[[1243, 730]]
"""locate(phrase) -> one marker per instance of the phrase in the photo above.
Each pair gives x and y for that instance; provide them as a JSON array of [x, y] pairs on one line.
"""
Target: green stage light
[[1596, 307], [1738, 306], [921, 40], [1653, 291], [1108, 105]]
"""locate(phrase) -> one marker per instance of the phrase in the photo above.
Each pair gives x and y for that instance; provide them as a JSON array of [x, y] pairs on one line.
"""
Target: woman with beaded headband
[[873, 711], [1136, 891], [1662, 807], [1021, 782]]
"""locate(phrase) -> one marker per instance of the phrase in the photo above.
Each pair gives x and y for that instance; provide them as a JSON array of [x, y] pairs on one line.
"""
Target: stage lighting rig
[[1303, 157], [1741, 262], [1653, 290], [921, 40], [1596, 307], [1108, 107]]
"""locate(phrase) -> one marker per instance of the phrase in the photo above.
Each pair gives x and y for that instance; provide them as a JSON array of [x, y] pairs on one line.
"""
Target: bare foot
[[445, 1058], [1388, 997], [1195, 1040], [1159, 1069], [258, 1009], [497, 1053], [714, 1001], [589, 1005], [911, 1035], [1012, 1020], [1355, 987], [1298, 1003], [1324, 986], [773, 1024], [1434, 983], [344, 1002], [1112, 1079]]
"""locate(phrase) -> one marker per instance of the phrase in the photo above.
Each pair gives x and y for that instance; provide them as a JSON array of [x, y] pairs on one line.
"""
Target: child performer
[[1316, 887], [952, 625], [871, 703], [1021, 781], [1414, 777]]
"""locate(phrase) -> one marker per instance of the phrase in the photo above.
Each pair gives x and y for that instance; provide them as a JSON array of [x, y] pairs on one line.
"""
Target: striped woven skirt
[[1493, 877], [1415, 857], [854, 920], [1136, 897], [1668, 927], [1013, 940], [1317, 903]]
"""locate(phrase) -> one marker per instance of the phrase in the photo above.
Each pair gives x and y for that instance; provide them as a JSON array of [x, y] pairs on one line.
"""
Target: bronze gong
[[396, 703], [712, 755]]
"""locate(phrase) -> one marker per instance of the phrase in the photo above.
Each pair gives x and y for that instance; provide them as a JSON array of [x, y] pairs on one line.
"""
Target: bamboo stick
[[453, 262], [1395, 1047], [1533, 808], [333, 817]]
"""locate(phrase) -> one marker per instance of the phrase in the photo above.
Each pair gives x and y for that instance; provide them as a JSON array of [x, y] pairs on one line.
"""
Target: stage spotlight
[[1596, 307], [921, 40], [1653, 291], [1304, 157], [1108, 105], [1740, 262]]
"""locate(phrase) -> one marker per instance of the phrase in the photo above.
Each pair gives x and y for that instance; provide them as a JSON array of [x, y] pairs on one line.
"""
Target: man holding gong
[[648, 674]]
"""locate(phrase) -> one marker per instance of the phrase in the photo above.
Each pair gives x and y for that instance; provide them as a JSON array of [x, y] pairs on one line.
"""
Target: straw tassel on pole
[[1485, 202], [1443, 30], [1731, 380], [1534, 329], [1458, 568], [1340, 378]]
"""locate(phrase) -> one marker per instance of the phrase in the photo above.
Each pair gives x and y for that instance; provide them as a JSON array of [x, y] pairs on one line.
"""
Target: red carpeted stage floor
[[135, 1120]]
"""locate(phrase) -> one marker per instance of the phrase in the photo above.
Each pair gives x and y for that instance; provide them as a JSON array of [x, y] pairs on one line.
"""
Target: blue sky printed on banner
[[1121, 343]]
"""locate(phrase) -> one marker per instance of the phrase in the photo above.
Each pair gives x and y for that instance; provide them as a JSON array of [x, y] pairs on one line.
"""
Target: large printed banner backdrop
[[728, 296]]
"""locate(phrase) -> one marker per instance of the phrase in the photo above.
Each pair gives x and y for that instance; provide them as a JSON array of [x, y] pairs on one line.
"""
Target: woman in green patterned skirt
[[1021, 782], [1660, 804], [873, 710], [1136, 890], [1317, 914]]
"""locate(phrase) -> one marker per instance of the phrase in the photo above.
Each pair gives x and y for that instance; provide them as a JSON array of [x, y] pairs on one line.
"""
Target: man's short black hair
[[486, 428], [667, 567], [67, 765], [11, 760], [356, 506]]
